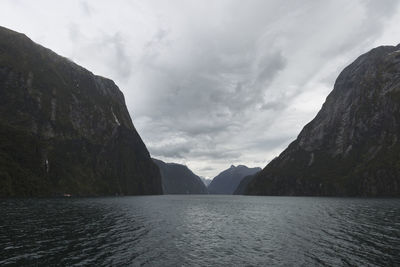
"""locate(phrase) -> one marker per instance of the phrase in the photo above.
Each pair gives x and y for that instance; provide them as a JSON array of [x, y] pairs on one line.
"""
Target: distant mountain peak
[[227, 181]]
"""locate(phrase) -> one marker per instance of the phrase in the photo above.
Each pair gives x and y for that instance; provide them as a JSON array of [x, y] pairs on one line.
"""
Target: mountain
[[351, 148], [64, 130], [240, 189], [205, 181], [227, 181], [179, 179]]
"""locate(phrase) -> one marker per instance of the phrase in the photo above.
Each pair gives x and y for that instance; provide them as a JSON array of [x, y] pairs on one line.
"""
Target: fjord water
[[200, 230]]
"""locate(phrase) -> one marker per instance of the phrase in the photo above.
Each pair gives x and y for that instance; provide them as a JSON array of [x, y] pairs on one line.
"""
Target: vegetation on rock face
[[65, 130], [179, 179], [352, 146], [227, 181]]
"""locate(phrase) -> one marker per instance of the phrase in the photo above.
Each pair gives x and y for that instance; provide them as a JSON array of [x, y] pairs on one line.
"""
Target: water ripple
[[200, 231]]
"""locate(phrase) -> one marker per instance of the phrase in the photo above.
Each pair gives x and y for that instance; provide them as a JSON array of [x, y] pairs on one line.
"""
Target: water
[[200, 231]]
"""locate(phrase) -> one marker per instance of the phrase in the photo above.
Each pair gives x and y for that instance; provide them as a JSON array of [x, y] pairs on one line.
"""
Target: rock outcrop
[[64, 130], [227, 181], [351, 148], [179, 179]]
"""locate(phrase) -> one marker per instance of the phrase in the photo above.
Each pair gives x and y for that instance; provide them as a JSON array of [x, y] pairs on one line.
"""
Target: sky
[[211, 83]]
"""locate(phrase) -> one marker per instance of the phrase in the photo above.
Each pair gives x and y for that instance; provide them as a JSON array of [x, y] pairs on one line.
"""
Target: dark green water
[[200, 231]]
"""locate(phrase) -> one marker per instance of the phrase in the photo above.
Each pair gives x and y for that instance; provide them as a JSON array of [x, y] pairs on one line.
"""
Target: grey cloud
[[86, 9], [274, 105], [74, 33], [269, 65], [214, 154], [170, 150], [371, 27], [207, 169], [120, 60], [158, 38], [195, 148], [109, 48], [266, 144], [224, 88]]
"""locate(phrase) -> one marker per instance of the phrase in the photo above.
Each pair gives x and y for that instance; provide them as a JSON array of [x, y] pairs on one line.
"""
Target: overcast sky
[[210, 83]]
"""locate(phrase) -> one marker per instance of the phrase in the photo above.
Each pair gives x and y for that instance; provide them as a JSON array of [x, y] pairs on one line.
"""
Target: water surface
[[200, 230]]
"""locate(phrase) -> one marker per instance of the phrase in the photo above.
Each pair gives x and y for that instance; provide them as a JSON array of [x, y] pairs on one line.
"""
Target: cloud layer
[[212, 83]]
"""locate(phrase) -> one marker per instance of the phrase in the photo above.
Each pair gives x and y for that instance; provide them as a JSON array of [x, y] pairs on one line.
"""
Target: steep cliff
[[351, 148], [179, 179], [227, 181], [65, 130]]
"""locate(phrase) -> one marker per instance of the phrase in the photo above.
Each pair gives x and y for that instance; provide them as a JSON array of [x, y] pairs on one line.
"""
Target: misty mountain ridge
[[227, 181], [179, 179]]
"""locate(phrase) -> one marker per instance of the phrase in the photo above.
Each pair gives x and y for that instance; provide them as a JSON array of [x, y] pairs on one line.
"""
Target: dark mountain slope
[[179, 179], [65, 130], [352, 146], [227, 181], [241, 188]]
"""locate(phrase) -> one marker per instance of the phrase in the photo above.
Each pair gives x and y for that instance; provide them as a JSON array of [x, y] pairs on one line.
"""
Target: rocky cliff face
[[227, 181], [351, 148], [179, 179], [65, 130]]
